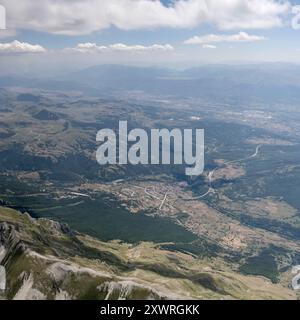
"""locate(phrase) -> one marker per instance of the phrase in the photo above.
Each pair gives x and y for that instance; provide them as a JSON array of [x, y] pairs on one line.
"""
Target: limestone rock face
[[45, 260], [2, 279]]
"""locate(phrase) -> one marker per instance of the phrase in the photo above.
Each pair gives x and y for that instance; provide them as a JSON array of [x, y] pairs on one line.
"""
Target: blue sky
[[151, 32]]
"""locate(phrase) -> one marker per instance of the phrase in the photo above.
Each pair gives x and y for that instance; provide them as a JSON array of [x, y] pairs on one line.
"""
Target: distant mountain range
[[271, 82]]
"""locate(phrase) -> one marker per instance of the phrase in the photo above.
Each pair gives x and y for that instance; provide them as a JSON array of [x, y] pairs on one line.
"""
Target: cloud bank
[[209, 46], [80, 17], [18, 47], [118, 47], [214, 38]]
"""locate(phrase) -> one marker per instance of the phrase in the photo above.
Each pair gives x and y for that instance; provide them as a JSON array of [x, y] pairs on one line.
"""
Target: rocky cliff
[[46, 260]]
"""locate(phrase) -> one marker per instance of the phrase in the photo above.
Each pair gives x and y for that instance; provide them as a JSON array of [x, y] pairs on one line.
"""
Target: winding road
[[211, 174]]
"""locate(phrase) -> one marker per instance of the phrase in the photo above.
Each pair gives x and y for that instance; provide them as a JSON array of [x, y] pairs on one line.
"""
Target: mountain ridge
[[46, 260]]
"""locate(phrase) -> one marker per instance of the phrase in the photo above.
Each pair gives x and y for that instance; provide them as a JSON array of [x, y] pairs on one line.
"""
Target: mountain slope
[[46, 260]]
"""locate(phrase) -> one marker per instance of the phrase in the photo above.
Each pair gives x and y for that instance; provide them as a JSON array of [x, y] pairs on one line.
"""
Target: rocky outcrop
[[43, 259]]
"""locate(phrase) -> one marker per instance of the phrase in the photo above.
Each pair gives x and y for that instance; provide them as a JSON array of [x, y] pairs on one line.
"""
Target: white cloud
[[215, 38], [86, 16], [118, 47], [209, 46], [21, 47]]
